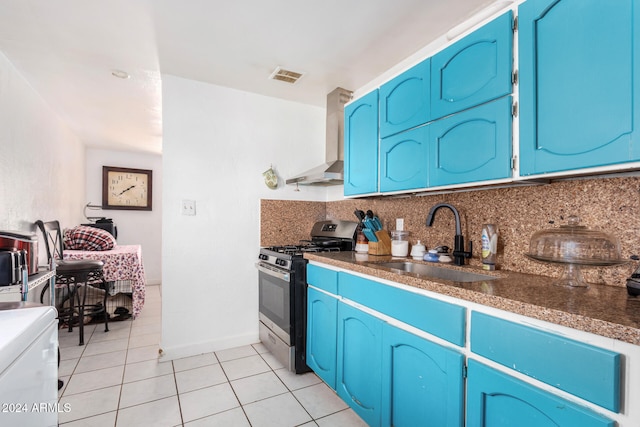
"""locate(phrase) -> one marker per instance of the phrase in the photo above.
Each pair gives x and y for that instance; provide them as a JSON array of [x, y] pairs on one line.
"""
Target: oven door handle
[[273, 273]]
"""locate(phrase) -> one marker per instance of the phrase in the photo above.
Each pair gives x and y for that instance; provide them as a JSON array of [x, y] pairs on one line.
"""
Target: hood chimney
[[332, 171]]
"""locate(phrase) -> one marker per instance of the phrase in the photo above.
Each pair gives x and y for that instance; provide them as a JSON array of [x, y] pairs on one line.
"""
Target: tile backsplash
[[608, 204]]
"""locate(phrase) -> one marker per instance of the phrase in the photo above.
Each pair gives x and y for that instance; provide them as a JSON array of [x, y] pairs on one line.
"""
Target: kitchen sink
[[435, 272]]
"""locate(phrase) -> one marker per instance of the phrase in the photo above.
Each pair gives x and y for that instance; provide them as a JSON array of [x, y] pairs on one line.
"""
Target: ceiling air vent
[[285, 75]]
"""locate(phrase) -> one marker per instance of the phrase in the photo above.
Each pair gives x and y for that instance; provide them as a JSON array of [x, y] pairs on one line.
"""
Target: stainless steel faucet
[[459, 253]]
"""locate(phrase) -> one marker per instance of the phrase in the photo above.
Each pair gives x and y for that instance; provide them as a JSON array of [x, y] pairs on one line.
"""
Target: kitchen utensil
[[374, 221], [366, 223], [370, 234], [359, 214], [574, 246]]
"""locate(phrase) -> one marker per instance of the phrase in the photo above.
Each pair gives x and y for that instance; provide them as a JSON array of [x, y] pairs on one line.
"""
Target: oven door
[[274, 287]]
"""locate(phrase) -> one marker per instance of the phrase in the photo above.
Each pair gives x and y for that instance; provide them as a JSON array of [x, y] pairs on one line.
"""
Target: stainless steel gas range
[[283, 290]]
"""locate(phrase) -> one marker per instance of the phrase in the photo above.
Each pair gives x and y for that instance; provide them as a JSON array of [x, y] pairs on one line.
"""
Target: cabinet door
[[495, 399], [473, 70], [361, 145], [322, 321], [579, 84], [422, 382], [474, 145], [404, 160], [442, 319], [404, 100], [322, 278], [359, 362], [550, 358]]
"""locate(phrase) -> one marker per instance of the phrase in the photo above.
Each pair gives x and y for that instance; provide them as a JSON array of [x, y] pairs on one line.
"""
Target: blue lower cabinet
[[495, 399], [442, 319], [404, 160], [550, 358], [322, 278], [322, 312], [359, 381], [423, 382], [474, 145]]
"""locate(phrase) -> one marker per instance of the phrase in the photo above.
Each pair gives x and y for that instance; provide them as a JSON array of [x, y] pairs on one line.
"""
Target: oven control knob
[[263, 257], [281, 262]]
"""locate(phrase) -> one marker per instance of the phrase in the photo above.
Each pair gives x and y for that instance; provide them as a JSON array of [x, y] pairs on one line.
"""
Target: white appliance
[[28, 365]]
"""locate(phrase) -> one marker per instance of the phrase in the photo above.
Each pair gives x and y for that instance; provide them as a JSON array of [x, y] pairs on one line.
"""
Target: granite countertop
[[603, 310]]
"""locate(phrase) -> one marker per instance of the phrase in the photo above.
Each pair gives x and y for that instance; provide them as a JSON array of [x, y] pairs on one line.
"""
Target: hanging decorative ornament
[[270, 178]]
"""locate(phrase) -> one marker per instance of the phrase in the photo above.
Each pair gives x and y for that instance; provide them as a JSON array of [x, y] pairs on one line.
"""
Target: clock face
[[126, 188]]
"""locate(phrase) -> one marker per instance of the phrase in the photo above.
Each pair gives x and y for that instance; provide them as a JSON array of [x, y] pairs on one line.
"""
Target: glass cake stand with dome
[[575, 246]]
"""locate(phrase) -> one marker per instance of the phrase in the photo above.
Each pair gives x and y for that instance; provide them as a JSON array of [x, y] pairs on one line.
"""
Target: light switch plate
[[189, 207], [400, 224]]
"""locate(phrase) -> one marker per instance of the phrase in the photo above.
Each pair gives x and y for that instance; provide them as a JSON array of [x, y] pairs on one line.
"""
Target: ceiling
[[68, 49]]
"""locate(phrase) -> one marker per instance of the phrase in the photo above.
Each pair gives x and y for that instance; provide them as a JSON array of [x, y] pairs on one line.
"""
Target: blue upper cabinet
[[473, 70], [361, 145], [403, 160], [474, 145], [404, 101], [579, 84]]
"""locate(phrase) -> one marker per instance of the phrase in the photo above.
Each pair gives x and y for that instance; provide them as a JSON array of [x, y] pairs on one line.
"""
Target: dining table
[[122, 264]]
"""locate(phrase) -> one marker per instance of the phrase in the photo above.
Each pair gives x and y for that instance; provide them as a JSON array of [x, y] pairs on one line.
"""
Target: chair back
[[52, 239]]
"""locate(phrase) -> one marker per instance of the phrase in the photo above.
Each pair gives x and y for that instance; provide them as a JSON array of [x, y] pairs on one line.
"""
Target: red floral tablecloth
[[124, 262]]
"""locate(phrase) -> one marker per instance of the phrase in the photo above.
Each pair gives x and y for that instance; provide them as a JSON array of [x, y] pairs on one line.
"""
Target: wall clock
[[125, 188]]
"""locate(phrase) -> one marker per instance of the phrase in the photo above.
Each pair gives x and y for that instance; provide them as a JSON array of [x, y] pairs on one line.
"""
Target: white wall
[[134, 227], [217, 142], [42, 163]]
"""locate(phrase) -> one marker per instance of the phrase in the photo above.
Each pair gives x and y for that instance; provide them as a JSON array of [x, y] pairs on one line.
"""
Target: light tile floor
[[115, 379]]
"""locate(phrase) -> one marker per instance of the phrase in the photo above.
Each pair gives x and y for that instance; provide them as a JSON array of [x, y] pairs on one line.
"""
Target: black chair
[[80, 278]]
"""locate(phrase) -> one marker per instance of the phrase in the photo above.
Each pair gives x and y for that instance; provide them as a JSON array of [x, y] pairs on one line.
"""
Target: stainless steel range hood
[[332, 171]]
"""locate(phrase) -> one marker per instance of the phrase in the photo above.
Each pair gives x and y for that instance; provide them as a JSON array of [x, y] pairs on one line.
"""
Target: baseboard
[[167, 353]]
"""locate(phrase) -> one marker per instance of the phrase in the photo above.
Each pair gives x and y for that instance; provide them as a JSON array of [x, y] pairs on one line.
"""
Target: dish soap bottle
[[489, 246]]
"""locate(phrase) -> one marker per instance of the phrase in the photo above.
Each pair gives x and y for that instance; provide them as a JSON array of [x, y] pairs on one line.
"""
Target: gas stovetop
[[286, 256], [326, 236], [299, 250]]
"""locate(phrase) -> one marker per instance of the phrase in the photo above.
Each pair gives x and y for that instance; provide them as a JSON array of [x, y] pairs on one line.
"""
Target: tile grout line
[[175, 381], [174, 372], [224, 372], [124, 371]]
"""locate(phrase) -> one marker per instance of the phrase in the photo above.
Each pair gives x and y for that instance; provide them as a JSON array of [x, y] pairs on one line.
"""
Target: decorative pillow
[[85, 238]]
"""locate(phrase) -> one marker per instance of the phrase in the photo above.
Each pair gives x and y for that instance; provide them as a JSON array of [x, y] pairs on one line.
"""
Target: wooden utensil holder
[[382, 246]]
